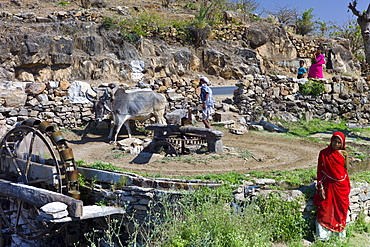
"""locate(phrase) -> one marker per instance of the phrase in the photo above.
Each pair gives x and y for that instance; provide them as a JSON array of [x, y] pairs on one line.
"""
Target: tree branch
[[352, 6]]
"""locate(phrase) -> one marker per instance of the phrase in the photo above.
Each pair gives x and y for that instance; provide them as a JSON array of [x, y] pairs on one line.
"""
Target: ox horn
[[105, 96], [96, 91], [89, 97]]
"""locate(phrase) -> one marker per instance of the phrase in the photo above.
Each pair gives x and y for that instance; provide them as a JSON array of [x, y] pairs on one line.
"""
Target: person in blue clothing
[[301, 70], [206, 96]]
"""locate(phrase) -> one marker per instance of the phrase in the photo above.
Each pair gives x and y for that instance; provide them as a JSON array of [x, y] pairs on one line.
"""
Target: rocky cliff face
[[72, 45]]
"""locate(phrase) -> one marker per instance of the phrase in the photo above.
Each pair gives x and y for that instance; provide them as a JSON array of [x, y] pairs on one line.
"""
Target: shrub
[[63, 3], [143, 24], [360, 225], [190, 6], [109, 23], [283, 215], [314, 88], [201, 28]]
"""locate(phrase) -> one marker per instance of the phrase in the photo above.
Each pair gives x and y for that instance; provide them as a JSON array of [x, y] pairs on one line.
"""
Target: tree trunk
[[364, 21]]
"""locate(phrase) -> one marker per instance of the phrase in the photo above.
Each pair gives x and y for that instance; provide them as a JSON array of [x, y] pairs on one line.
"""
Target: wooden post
[[39, 197]]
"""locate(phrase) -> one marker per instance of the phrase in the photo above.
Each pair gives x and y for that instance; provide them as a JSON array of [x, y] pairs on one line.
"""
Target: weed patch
[[206, 218]]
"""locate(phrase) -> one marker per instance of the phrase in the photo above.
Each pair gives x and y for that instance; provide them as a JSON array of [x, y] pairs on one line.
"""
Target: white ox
[[134, 104]]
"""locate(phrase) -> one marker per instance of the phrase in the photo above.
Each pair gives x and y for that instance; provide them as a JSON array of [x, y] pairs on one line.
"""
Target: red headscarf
[[341, 137], [332, 161]]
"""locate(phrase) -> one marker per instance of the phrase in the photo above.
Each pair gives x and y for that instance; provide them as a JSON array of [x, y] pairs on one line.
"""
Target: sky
[[324, 10]]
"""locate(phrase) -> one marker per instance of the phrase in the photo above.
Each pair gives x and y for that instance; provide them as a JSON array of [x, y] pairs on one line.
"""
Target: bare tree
[[285, 14], [363, 19], [86, 4], [166, 3]]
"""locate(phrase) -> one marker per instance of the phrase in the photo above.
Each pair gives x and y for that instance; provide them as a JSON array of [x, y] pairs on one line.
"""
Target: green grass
[[356, 153], [143, 24], [305, 129], [361, 176], [194, 159], [231, 177], [117, 154], [295, 178], [100, 166], [63, 3]]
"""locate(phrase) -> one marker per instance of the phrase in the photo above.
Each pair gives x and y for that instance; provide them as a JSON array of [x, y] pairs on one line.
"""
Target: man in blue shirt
[[207, 101]]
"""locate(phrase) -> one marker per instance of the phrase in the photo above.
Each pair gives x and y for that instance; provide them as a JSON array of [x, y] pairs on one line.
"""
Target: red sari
[[332, 175]]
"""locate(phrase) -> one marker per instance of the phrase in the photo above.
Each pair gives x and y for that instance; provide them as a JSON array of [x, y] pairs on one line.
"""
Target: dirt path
[[270, 151]]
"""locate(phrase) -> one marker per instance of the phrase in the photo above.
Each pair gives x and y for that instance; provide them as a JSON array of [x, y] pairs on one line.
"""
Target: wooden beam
[[40, 197]]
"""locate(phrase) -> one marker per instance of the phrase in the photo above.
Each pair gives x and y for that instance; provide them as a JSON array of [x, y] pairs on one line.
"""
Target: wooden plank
[[39, 197]]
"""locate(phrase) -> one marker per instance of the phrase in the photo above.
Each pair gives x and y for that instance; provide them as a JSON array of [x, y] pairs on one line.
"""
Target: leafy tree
[[246, 6], [285, 14], [210, 12], [201, 27], [351, 32], [323, 27], [305, 24]]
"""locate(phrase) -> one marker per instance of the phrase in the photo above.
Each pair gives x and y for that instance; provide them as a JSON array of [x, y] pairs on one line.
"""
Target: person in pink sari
[[315, 70]]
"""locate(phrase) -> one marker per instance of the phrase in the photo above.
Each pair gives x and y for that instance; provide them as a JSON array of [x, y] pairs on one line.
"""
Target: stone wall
[[269, 96], [65, 104], [257, 98], [138, 195], [359, 198]]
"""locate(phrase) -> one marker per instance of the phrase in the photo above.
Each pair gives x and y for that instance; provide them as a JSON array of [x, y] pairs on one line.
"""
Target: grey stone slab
[[91, 211]]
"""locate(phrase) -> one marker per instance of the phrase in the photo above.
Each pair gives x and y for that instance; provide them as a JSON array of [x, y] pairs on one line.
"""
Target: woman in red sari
[[333, 188]]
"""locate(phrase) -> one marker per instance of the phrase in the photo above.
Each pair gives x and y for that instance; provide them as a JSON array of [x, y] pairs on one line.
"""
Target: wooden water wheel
[[33, 153]]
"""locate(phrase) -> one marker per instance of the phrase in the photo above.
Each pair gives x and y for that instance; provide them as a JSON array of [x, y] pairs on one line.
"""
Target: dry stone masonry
[[268, 96], [359, 197], [256, 98]]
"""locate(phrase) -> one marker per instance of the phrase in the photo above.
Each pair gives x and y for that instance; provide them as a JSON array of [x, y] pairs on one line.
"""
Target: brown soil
[[270, 151]]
